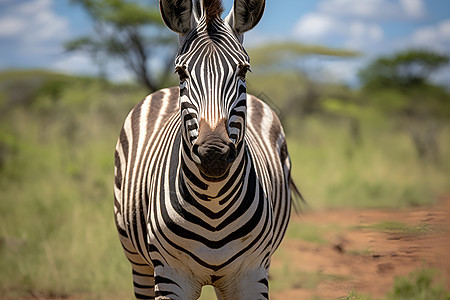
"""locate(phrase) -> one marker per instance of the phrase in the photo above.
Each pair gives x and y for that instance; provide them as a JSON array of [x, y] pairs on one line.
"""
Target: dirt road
[[365, 250]]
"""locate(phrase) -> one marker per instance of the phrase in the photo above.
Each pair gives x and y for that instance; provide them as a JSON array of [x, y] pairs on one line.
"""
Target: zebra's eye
[[182, 72], [243, 69]]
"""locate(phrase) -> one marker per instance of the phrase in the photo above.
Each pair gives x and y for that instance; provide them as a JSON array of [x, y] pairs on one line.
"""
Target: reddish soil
[[369, 259]]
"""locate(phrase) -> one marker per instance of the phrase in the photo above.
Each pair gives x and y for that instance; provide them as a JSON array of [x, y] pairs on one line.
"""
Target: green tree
[[399, 86], [403, 70], [283, 65], [132, 32], [282, 52]]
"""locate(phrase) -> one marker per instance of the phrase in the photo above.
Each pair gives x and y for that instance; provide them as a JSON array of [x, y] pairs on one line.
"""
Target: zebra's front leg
[[143, 281], [173, 284], [248, 285]]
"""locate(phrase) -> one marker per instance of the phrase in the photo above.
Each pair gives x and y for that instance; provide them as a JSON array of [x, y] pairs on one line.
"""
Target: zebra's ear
[[177, 15], [245, 15]]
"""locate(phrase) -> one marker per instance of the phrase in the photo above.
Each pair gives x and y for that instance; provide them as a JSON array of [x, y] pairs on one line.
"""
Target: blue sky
[[32, 32]]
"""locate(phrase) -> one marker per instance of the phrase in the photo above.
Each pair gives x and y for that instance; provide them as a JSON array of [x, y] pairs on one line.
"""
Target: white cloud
[[34, 33], [81, 63], [357, 25], [11, 26], [354, 23], [364, 32], [414, 9], [75, 63], [343, 70], [48, 27], [315, 27], [30, 7], [374, 9], [354, 8], [436, 37], [442, 77], [33, 25]]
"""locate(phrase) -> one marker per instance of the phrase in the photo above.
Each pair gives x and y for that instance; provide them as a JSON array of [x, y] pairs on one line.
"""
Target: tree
[[285, 69], [399, 85], [404, 70], [274, 53], [131, 32]]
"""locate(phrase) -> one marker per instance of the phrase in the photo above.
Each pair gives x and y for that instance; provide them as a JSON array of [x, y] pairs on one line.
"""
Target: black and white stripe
[[209, 62], [187, 218]]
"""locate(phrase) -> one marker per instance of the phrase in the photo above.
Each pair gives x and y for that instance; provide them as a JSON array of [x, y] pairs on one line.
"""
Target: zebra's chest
[[193, 240], [209, 234]]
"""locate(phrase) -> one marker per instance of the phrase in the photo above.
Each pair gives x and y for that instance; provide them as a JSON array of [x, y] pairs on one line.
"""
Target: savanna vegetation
[[378, 146]]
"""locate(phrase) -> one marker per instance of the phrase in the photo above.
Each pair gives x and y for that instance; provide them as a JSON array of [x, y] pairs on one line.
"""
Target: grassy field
[[57, 234], [380, 171]]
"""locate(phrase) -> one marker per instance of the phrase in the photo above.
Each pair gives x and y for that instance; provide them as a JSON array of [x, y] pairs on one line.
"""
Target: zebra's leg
[[143, 277], [173, 284], [251, 285], [143, 281], [218, 294]]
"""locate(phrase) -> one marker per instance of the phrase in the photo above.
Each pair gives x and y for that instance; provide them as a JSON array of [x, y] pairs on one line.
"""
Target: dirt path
[[366, 256]]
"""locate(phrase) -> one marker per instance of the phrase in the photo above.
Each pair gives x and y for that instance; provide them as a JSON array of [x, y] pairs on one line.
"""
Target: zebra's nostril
[[215, 158], [195, 150], [195, 154], [213, 153], [231, 155]]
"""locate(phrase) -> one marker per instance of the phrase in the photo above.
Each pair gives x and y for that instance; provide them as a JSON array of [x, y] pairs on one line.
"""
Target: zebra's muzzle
[[214, 149]]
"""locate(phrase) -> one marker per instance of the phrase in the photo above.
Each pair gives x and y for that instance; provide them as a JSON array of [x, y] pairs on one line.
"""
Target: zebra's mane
[[213, 9]]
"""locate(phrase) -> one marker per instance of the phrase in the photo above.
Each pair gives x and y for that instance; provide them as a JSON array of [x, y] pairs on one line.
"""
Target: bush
[[422, 284]]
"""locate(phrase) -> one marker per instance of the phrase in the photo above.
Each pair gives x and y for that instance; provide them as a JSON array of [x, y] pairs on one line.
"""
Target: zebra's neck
[[213, 193]]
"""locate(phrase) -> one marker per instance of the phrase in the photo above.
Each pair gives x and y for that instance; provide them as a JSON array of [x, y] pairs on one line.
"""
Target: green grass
[[353, 295], [57, 234], [380, 171], [288, 277], [402, 228], [422, 284], [362, 252], [313, 233]]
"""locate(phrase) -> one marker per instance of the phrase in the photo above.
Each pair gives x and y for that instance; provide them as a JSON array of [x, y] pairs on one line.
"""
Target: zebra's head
[[212, 65]]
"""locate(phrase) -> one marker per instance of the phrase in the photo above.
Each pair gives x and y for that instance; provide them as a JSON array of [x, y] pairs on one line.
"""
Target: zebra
[[202, 192]]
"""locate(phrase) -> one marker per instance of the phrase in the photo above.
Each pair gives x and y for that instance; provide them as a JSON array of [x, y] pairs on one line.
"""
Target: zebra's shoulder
[[150, 115], [162, 103], [263, 120]]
